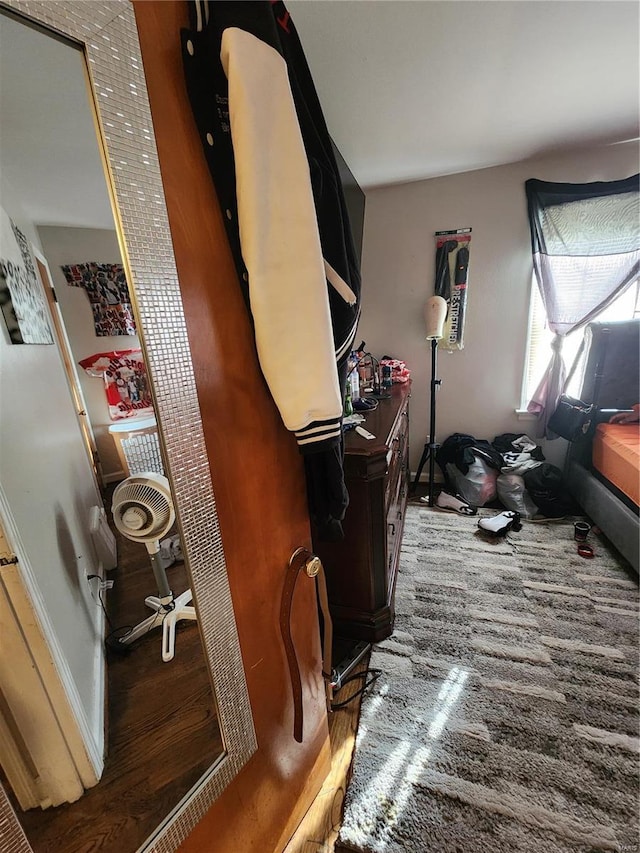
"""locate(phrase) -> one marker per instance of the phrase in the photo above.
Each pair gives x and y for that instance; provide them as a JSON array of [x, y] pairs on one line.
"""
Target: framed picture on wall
[[22, 301]]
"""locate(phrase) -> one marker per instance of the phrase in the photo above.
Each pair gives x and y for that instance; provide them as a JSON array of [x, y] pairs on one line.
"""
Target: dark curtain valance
[[547, 193], [599, 218]]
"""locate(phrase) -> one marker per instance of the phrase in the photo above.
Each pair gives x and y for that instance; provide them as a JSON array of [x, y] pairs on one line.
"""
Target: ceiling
[[412, 90], [49, 155]]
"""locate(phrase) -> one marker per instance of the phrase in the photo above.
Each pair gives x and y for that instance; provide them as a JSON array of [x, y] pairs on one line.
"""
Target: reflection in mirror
[[120, 722]]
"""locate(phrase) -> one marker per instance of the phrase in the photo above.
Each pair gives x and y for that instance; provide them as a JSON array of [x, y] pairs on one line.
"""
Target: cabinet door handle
[[393, 528]]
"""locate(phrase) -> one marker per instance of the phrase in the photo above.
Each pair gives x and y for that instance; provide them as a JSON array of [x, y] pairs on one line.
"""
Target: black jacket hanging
[[272, 163]]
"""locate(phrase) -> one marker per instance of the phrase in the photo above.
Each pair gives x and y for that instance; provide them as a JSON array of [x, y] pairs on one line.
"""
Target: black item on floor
[[346, 654], [546, 488]]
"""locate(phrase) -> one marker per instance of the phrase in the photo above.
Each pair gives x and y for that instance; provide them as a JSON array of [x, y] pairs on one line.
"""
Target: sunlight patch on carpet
[[506, 716]]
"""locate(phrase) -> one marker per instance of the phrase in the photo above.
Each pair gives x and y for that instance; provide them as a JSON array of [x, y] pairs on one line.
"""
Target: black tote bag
[[572, 418]]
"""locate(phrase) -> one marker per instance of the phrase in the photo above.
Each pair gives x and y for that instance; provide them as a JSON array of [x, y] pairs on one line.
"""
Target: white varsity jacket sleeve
[[280, 240]]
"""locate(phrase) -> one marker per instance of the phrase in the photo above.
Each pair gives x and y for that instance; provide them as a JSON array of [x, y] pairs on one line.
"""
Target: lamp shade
[[435, 312]]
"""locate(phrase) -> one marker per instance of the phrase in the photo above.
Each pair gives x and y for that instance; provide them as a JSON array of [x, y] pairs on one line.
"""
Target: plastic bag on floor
[[514, 495], [477, 486]]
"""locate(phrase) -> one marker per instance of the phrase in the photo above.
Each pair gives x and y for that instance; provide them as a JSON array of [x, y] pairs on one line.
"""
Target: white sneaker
[[500, 524], [454, 503]]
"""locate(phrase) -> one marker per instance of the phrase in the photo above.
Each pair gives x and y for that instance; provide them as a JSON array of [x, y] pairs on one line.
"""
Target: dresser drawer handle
[[393, 528]]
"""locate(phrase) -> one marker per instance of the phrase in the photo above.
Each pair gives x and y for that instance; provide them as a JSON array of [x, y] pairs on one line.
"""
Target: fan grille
[[142, 507]]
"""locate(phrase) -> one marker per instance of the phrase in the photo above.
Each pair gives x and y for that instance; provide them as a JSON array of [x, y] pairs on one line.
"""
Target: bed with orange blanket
[[603, 469], [616, 457]]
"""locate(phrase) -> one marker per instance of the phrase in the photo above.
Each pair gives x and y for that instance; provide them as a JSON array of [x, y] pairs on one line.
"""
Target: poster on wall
[[452, 273], [126, 385], [108, 292], [22, 301]]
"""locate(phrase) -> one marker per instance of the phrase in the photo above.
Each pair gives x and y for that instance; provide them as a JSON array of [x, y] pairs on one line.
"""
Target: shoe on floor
[[500, 524], [454, 503]]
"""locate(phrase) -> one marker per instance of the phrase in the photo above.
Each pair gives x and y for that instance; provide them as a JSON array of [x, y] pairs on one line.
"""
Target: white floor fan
[[143, 512]]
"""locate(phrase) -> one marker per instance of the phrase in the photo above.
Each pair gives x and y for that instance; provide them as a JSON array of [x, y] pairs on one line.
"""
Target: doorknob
[[310, 563]]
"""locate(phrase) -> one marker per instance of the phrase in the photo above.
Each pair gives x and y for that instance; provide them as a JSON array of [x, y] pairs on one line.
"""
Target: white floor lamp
[[435, 313]]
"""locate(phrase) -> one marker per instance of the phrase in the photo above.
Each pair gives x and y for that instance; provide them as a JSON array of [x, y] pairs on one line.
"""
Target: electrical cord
[[114, 638], [375, 675], [365, 404], [100, 599], [119, 646], [104, 609]]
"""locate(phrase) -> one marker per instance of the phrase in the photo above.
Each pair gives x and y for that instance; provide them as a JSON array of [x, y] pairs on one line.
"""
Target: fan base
[[168, 611]]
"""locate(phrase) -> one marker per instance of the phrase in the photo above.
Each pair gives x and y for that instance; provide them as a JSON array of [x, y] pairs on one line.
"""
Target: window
[[585, 244], [625, 307]]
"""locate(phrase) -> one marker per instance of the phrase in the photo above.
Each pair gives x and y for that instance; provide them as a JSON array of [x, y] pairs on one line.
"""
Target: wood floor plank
[[163, 732], [318, 831]]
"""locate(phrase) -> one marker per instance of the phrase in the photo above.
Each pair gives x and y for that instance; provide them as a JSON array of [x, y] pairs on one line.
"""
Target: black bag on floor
[[546, 489]]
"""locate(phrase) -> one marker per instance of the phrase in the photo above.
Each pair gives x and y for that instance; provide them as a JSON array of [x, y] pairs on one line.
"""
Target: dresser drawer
[[395, 517], [397, 456], [361, 569]]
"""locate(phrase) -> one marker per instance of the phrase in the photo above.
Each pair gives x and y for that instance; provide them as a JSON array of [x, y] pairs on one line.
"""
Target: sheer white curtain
[[586, 252]]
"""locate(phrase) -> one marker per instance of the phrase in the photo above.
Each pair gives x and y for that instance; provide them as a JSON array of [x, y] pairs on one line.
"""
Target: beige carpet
[[506, 716]]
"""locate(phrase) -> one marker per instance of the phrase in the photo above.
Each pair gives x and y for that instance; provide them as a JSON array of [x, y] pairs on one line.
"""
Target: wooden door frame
[[66, 353], [50, 757]]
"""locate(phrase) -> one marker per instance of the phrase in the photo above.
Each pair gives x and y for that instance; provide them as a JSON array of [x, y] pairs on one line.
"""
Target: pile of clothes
[[511, 468]]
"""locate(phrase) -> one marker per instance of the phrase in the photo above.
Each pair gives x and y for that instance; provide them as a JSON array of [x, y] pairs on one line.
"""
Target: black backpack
[[546, 488]]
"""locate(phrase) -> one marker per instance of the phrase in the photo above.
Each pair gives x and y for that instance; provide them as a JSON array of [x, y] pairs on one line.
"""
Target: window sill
[[524, 415]]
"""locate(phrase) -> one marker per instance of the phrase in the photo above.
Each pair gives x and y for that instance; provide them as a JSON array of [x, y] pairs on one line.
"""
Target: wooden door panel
[[257, 475]]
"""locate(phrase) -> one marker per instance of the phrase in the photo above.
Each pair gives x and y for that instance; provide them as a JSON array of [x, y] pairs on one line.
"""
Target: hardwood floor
[[163, 732], [318, 831]]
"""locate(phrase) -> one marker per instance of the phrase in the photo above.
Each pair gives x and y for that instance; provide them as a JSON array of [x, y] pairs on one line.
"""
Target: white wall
[[48, 489], [481, 385], [77, 246]]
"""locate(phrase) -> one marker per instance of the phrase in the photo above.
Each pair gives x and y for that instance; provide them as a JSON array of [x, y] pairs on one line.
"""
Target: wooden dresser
[[361, 569]]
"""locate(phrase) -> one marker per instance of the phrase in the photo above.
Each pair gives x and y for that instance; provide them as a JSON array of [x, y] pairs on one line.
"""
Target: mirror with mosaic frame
[[105, 33]]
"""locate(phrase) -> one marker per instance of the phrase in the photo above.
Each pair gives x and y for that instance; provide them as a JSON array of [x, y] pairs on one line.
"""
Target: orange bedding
[[616, 455]]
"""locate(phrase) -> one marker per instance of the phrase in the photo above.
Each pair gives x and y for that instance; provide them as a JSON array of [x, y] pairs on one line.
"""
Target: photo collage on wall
[[106, 287]]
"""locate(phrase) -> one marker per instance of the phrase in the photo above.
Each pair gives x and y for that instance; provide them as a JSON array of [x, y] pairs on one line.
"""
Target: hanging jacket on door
[[271, 159]]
